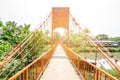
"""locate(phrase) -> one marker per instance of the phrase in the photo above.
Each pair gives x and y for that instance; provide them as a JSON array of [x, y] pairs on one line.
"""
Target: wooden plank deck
[[60, 68]]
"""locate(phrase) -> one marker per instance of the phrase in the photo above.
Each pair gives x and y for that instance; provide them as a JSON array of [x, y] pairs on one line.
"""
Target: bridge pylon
[[60, 19]]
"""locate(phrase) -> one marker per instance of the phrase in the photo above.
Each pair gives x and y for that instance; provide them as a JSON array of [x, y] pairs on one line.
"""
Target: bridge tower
[[60, 19]]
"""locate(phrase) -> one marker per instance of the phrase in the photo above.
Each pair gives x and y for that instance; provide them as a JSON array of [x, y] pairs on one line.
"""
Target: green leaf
[[1, 24]]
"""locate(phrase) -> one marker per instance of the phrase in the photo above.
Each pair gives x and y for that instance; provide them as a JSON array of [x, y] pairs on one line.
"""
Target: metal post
[[35, 54], [35, 67], [52, 40], [68, 38], [21, 55], [84, 70], [96, 55], [27, 74], [78, 63], [96, 74], [42, 63]]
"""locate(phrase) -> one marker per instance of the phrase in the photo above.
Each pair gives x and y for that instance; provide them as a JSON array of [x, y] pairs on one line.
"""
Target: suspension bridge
[[59, 62]]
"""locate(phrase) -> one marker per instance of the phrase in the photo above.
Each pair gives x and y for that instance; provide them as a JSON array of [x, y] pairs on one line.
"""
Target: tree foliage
[[115, 39], [76, 39], [10, 35], [13, 33], [57, 35], [102, 37], [86, 30]]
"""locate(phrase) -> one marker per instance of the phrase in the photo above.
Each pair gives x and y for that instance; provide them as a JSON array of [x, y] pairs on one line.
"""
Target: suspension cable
[[98, 48]]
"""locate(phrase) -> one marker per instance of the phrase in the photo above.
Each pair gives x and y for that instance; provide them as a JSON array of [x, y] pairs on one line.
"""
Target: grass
[[99, 56], [91, 55], [116, 54]]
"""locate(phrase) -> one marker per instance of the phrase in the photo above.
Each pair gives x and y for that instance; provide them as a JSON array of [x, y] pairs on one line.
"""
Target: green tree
[[47, 32], [64, 38], [57, 35], [76, 39], [115, 39], [86, 30], [102, 37]]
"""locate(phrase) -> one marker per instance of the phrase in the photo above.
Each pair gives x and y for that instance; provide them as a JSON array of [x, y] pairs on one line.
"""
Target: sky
[[100, 16]]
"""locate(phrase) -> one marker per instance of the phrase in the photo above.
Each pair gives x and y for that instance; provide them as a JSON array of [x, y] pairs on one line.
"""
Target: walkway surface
[[60, 67]]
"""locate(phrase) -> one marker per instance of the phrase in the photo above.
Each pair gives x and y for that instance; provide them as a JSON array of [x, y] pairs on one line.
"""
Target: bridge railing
[[35, 69], [26, 51], [87, 70]]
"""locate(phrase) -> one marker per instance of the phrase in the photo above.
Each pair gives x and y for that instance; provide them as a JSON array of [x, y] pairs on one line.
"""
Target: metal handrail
[[85, 68], [37, 66]]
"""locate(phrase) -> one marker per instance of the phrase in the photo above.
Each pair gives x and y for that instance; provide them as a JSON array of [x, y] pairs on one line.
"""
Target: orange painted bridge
[[60, 62], [60, 68]]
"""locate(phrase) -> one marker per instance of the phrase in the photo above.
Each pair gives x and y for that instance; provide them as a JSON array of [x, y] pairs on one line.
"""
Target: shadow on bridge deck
[[59, 67]]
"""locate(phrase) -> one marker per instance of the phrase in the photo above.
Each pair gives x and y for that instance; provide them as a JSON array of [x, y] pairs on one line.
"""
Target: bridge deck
[[60, 67]]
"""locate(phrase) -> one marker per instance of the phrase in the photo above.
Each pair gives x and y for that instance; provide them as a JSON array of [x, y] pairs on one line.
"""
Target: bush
[[5, 47], [10, 35]]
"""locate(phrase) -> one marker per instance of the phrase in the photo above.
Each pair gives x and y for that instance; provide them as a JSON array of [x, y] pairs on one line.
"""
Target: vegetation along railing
[[23, 54], [25, 51], [87, 70], [35, 69]]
